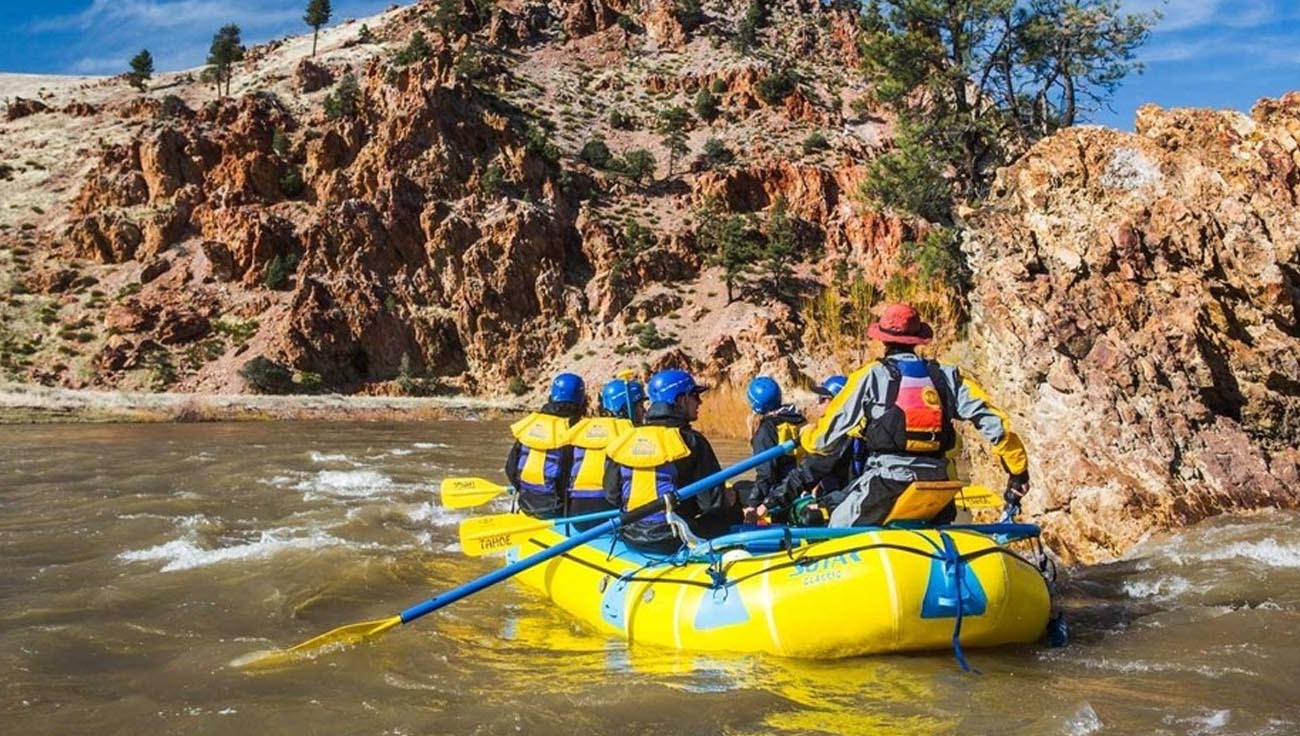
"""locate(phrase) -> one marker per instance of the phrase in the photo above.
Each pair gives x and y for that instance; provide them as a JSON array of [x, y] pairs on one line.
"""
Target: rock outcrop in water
[[1137, 300]]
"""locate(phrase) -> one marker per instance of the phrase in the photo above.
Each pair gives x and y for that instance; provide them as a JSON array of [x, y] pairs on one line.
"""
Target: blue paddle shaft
[[614, 524], [818, 533]]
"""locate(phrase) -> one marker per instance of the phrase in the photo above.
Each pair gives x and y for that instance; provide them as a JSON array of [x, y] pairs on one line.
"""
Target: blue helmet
[[763, 394], [619, 396], [666, 386], [568, 387], [833, 385]]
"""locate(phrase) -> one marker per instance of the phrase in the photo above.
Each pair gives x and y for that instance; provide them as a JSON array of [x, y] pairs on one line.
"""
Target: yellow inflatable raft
[[860, 592]]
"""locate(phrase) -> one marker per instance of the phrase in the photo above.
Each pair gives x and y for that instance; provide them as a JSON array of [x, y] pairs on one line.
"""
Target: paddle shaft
[[820, 533], [621, 520]]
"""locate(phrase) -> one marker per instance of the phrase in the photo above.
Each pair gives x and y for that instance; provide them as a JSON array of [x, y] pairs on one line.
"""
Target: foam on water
[[327, 457], [430, 446], [185, 554], [346, 483], [1268, 551], [1082, 722], [1161, 588]]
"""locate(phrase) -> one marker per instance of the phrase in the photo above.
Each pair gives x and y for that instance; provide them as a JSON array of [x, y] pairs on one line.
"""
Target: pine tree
[[141, 69], [974, 83], [727, 241], [779, 250], [317, 15], [227, 48], [672, 126]]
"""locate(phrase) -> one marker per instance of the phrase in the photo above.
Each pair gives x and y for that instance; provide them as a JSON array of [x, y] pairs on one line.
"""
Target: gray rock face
[[1136, 303]]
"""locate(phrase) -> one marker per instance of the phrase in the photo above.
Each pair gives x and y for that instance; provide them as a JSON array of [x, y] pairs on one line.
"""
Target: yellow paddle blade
[[463, 493], [487, 534], [336, 639], [979, 497]]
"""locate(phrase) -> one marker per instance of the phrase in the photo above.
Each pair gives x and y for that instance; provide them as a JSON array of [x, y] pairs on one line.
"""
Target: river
[[139, 560]]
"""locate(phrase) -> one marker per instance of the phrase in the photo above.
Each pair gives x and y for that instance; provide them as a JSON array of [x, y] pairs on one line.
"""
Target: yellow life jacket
[[543, 436], [589, 438], [646, 458], [789, 431]]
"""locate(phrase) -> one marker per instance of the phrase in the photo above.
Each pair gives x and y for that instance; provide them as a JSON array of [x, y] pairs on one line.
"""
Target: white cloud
[[1183, 15], [101, 38], [159, 15]]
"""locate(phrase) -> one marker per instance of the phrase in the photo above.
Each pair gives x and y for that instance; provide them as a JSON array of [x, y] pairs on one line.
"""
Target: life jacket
[[589, 439], [646, 459], [919, 411], [786, 431], [543, 437]]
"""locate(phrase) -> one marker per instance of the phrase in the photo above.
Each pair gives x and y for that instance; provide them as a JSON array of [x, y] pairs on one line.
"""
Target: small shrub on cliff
[[342, 102], [689, 12], [706, 104], [648, 337], [493, 182], [716, 153], [172, 107], [629, 24], [516, 386], [417, 49], [291, 184], [308, 382], [280, 143], [595, 153], [776, 87], [747, 30], [538, 141], [816, 141], [266, 376], [639, 164], [365, 35], [619, 120], [277, 272]]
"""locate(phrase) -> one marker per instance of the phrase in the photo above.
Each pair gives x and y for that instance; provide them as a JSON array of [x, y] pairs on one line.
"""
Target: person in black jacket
[[661, 456], [777, 422], [540, 461], [828, 475]]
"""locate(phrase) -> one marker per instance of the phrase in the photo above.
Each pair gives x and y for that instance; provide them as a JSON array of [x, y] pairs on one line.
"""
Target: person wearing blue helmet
[[541, 459], [621, 408], [661, 456], [777, 422], [827, 476]]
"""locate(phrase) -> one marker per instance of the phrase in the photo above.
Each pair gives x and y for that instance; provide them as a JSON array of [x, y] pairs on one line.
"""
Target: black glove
[[1017, 487]]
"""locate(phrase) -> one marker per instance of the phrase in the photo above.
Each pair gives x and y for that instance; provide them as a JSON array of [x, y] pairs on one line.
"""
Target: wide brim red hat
[[901, 324]]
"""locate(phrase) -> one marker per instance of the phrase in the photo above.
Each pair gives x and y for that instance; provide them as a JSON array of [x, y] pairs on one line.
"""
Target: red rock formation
[[1136, 302], [21, 107]]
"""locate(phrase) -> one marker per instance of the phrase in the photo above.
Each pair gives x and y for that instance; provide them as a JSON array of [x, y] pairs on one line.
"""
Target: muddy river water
[[136, 561]]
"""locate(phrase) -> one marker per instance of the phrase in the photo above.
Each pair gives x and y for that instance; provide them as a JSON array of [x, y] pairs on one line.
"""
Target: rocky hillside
[[439, 228], [475, 213]]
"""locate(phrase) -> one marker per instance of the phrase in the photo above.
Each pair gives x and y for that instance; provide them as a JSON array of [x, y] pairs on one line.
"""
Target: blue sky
[[1204, 53]]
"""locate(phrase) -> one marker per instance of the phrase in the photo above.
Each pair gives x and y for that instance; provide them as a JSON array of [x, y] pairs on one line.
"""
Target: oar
[[978, 497], [463, 493], [345, 636], [487, 534]]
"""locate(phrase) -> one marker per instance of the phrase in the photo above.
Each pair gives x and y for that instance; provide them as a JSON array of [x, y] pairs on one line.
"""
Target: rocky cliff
[[441, 228], [1137, 302]]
